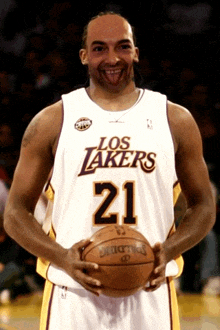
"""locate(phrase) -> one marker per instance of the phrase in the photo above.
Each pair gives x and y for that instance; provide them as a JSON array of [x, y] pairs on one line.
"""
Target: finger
[[85, 265], [95, 291], [91, 287], [87, 280], [159, 255], [158, 280], [157, 247], [154, 284], [82, 244], [151, 288], [159, 269]]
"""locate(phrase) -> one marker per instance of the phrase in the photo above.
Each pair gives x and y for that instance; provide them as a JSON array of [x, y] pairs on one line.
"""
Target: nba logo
[[63, 292]]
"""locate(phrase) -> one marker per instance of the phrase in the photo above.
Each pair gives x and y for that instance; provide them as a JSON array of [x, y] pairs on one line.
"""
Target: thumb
[[82, 244]]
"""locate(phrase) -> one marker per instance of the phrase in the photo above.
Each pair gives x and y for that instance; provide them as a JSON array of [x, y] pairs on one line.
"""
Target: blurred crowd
[[179, 56]]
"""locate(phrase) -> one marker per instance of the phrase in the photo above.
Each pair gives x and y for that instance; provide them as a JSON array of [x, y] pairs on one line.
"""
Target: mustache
[[119, 65], [111, 67]]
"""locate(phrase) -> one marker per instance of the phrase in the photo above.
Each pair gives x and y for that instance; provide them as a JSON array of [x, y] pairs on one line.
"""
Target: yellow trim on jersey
[[43, 264], [3, 326], [49, 192], [176, 192], [174, 309], [179, 259], [48, 290]]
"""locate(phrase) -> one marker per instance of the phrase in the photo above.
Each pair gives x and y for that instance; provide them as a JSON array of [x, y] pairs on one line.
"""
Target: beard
[[112, 78]]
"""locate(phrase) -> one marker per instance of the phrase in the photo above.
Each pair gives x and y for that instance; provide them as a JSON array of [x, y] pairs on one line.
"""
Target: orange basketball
[[125, 259]]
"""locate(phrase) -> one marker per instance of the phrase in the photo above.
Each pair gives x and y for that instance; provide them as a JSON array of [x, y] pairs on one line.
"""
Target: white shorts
[[77, 309]]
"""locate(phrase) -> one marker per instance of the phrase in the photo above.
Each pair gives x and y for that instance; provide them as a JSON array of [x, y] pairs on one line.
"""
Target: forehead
[[109, 28]]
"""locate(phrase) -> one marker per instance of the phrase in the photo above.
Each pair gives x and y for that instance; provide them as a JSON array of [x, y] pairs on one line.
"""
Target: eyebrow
[[98, 42]]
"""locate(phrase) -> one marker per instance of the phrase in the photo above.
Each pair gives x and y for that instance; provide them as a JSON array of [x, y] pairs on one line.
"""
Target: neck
[[114, 101]]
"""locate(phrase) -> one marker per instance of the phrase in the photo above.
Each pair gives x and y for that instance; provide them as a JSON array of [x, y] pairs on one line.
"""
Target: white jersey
[[112, 167]]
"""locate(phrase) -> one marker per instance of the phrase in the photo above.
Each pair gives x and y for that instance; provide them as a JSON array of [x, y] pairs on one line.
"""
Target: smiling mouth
[[113, 76]]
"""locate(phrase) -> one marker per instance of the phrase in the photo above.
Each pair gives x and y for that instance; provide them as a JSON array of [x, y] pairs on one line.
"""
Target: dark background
[[179, 56]]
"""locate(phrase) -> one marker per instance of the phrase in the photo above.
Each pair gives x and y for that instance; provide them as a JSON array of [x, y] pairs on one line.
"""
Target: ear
[[83, 56], [136, 57]]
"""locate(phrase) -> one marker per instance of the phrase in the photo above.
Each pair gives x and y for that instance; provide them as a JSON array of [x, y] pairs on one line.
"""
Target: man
[[111, 147]]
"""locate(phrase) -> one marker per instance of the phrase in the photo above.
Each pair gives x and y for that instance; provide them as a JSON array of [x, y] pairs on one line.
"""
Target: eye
[[125, 46], [98, 49]]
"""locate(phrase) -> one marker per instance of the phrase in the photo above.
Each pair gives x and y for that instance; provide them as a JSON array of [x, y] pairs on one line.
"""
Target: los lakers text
[[109, 250], [116, 152]]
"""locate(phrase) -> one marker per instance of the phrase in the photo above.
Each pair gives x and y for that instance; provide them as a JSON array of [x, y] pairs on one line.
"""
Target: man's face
[[110, 53]]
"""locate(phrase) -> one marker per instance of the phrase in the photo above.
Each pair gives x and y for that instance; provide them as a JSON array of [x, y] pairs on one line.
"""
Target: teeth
[[113, 71], [113, 75]]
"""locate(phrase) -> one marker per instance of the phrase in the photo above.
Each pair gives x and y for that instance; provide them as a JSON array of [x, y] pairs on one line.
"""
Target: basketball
[[125, 259]]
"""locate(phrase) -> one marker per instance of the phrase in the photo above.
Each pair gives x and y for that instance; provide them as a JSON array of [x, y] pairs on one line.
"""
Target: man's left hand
[[158, 275]]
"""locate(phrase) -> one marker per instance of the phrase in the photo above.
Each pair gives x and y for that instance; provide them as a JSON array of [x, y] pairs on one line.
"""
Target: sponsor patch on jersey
[[83, 124]]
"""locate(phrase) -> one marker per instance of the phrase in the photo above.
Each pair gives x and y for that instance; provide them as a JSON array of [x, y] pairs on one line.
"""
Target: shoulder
[[45, 126], [50, 115], [182, 124], [178, 113]]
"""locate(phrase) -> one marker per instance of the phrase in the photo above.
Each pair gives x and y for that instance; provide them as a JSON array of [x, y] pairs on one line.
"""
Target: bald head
[[107, 22], [109, 44]]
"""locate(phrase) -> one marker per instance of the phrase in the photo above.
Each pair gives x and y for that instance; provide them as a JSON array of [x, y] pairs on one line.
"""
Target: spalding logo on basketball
[[125, 258]]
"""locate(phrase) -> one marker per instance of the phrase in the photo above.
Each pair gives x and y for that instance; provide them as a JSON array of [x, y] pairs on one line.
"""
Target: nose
[[112, 57]]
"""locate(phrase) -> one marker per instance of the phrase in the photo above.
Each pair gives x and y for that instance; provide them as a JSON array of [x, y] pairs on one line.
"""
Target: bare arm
[[196, 188], [35, 163], [33, 168], [194, 180]]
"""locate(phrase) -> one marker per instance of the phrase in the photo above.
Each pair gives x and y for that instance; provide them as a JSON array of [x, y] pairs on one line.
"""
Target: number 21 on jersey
[[109, 192]]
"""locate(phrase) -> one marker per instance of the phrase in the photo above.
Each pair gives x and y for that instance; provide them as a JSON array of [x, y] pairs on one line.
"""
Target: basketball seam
[[118, 265], [116, 289], [112, 239]]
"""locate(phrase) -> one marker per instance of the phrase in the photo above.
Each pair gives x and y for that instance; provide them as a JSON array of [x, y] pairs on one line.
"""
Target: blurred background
[[179, 56]]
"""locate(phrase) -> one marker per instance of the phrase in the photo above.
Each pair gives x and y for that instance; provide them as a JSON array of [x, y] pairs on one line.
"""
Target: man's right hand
[[76, 268]]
